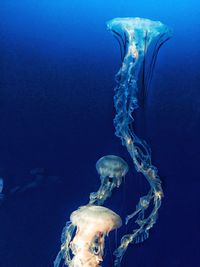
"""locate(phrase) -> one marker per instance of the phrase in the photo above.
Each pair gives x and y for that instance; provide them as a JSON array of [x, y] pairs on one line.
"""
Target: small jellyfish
[[111, 166], [111, 170], [92, 223]]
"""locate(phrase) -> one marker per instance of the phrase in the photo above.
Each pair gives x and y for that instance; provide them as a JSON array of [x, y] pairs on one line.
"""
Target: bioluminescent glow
[[83, 236]]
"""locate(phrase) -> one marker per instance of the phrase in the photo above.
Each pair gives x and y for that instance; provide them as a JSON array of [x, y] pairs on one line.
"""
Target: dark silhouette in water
[[38, 178]]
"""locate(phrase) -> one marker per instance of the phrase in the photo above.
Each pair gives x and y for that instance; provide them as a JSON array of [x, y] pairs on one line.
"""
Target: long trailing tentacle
[[122, 43], [66, 238], [161, 40]]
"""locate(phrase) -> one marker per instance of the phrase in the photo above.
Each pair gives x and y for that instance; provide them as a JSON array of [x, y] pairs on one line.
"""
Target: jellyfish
[[111, 170], [92, 223], [136, 36]]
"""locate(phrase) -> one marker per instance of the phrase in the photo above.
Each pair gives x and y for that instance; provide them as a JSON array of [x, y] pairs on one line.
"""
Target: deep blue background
[[57, 67]]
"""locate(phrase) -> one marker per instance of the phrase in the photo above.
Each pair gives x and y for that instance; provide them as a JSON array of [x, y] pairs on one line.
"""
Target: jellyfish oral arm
[[105, 190], [85, 253], [66, 238]]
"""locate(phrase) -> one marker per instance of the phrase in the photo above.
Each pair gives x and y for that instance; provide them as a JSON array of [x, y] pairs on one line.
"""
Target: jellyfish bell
[[93, 223], [132, 25], [136, 34], [100, 218], [111, 169], [111, 166], [140, 40]]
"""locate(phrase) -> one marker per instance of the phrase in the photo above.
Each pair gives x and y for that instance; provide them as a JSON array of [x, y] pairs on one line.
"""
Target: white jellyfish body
[[93, 224], [112, 166], [83, 237], [111, 169]]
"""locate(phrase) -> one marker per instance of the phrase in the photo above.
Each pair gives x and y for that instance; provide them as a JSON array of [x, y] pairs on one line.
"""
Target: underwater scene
[[99, 139]]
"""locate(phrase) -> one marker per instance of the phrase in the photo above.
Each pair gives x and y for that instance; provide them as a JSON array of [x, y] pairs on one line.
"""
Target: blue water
[[57, 67]]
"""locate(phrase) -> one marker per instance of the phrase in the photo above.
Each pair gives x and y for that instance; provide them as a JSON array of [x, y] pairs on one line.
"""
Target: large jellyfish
[[92, 223], [83, 236], [135, 36]]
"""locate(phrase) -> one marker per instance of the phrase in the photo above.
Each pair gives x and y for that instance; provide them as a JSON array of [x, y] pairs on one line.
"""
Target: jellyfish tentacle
[[105, 190], [142, 205], [66, 238], [140, 34], [122, 42], [120, 47], [143, 86], [163, 39]]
